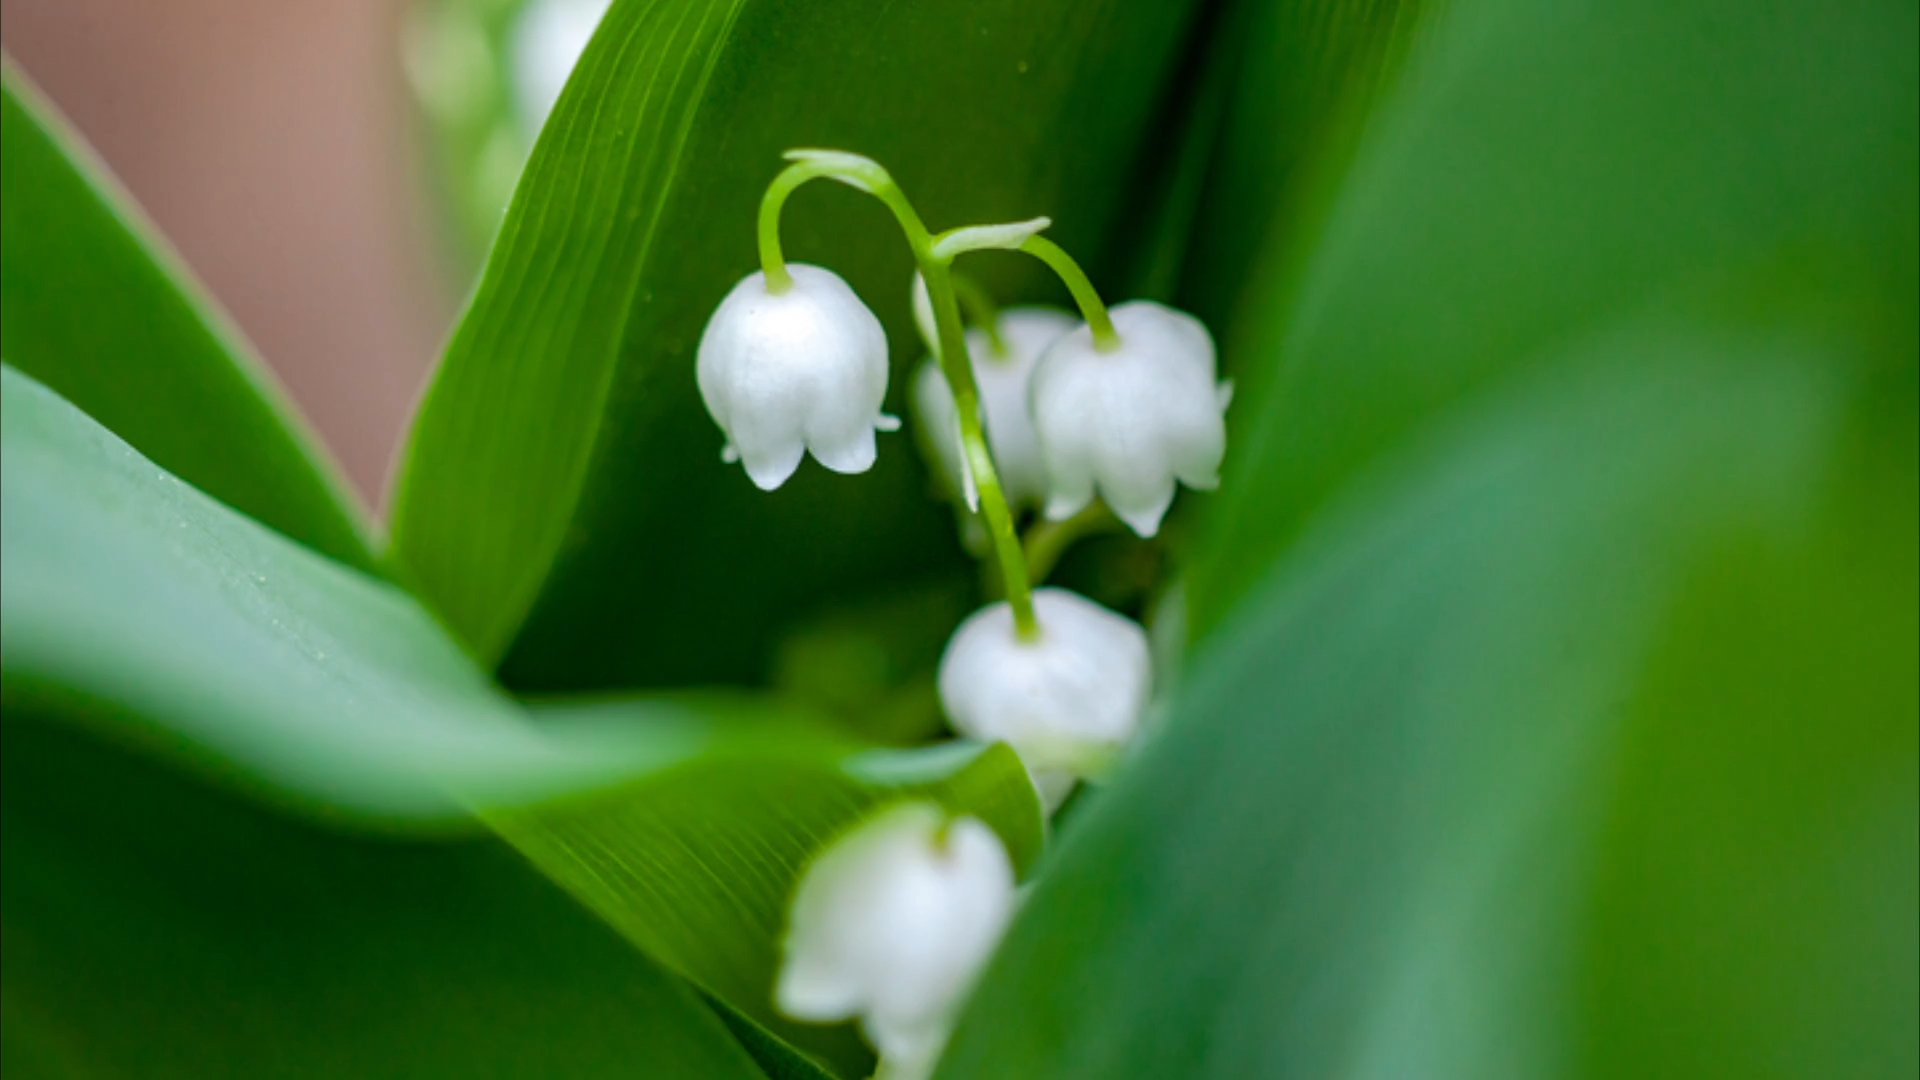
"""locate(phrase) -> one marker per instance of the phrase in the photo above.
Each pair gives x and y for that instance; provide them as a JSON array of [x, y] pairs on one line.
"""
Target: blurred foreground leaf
[[562, 500], [1530, 761], [1535, 172], [97, 307], [145, 612], [1554, 710]]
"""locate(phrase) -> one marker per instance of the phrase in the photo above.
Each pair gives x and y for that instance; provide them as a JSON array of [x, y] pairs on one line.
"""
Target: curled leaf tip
[[1007, 236], [853, 170]]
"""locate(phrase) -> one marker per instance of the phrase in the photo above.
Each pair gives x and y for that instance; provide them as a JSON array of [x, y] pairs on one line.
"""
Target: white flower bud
[[1067, 700], [1132, 421], [891, 924], [548, 38], [1026, 333], [805, 369]]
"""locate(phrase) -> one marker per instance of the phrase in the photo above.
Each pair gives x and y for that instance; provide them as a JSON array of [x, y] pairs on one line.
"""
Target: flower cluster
[[1030, 408]]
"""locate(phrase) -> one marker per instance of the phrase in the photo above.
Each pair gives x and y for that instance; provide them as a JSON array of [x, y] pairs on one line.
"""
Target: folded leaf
[[563, 476], [101, 310]]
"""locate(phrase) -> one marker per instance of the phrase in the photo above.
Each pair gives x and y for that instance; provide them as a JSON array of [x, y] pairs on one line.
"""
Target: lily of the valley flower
[[1025, 333], [1131, 421], [891, 924], [1068, 699], [797, 370]]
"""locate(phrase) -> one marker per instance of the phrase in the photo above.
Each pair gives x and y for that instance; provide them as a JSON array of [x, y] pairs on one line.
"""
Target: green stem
[[772, 264], [869, 177], [981, 310], [1105, 337]]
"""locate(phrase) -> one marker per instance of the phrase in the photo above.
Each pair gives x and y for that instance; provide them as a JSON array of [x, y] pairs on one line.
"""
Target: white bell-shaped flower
[[1068, 700], [785, 373], [1025, 333], [891, 924], [1133, 421]]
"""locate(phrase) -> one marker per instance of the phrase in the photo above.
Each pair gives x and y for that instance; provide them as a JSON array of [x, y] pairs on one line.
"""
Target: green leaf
[[1555, 710], [156, 927], [136, 603], [1530, 760], [100, 309], [696, 866], [1534, 172], [563, 476], [142, 611]]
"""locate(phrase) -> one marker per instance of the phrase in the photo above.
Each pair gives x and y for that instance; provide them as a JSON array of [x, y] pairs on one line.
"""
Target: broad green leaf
[[1537, 170], [1578, 738], [145, 612], [99, 308], [156, 927], [1554, 713], [136, 602], [562, 500], [711, 901]]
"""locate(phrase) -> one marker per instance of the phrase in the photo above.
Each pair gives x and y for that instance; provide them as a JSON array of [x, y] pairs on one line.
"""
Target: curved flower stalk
[[891, 925], [1027, 408], [786, 370], [934, 255]]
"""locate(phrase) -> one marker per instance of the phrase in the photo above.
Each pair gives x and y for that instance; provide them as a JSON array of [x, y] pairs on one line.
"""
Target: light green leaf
[[135, 602], [100, 309], [1555, 710], [145, 612], [1414, 814], [1534, 172], [563, 475]]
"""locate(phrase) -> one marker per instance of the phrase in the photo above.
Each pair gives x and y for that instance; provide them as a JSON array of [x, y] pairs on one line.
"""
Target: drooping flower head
[[802, 369], [1130, 422], [1067, 700], [891, 924]]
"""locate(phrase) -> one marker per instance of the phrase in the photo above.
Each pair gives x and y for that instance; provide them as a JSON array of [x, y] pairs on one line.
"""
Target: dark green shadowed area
[[157, 928]]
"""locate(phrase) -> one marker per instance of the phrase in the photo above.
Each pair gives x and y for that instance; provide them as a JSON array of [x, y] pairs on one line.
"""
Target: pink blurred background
[[271, 141]]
